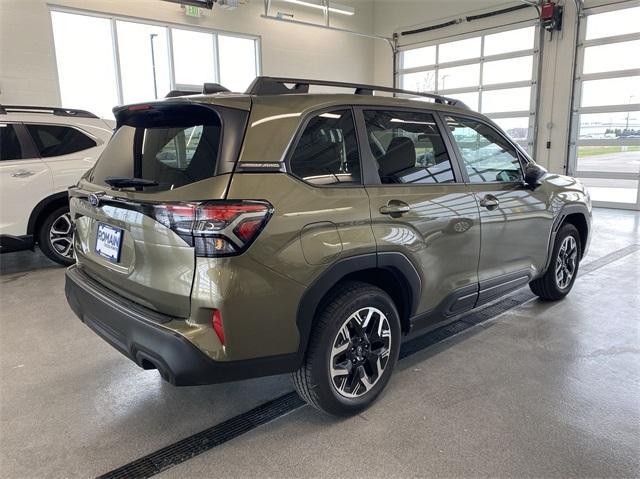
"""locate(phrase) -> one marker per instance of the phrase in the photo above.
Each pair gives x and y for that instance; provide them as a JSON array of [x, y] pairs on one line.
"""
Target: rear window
[[172, 146]]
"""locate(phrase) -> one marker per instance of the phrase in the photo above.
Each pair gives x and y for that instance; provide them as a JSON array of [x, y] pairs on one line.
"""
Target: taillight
[[216, 228]]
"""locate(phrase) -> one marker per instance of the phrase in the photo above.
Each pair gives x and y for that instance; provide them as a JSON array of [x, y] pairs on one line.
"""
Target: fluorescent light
[[330, 115], [333, 7]]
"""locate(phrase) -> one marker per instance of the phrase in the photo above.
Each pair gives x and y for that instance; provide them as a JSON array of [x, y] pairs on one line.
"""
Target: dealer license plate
[[108, 242]]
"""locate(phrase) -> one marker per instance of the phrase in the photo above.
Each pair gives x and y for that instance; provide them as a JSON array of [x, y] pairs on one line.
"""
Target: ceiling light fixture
[[333, 8]]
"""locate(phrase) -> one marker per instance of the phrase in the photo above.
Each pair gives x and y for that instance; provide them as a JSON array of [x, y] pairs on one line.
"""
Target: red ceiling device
[[551, 16], [546, 12]]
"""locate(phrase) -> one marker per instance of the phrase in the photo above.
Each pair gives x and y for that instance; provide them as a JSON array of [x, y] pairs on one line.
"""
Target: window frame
[[372, 177], [169, 26], [533, 83], [94, 138], [522, 159], [295, 140]]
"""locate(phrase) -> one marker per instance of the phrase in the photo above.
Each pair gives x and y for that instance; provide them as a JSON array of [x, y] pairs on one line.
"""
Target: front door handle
[[22, 174], [395, 208], [490, 202]]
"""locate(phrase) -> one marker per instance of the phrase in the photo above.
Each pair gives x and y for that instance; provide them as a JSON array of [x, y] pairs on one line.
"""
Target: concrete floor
[[545, 390]]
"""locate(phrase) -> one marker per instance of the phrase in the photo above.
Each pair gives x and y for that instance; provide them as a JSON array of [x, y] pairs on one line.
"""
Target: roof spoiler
[[278, 86]]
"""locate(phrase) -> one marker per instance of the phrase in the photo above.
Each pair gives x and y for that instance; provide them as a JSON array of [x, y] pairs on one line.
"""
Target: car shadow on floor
[[24, 261]]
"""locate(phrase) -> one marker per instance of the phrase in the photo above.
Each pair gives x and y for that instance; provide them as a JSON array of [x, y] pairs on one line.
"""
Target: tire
[[55, 237], [348, 362], [558, 280]]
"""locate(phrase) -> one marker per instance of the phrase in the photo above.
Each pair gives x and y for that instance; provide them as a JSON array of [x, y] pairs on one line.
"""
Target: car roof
[[88, 122]]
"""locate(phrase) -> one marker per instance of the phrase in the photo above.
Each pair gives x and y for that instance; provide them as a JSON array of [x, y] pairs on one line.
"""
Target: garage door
[[605, 141], [493, 73]]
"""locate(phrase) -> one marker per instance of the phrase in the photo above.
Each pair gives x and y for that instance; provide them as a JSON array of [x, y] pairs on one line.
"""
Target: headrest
[[400, 156]]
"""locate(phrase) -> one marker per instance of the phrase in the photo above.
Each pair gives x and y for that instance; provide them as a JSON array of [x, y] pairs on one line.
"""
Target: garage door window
[[605, 136], [493, 73], [54, 140]]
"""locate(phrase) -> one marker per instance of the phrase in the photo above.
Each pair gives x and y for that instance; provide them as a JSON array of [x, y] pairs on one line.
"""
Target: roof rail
[[278, 86], [207, 88], [4, 109]]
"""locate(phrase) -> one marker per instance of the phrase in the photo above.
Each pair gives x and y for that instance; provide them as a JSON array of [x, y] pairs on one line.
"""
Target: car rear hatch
[[136, 211]]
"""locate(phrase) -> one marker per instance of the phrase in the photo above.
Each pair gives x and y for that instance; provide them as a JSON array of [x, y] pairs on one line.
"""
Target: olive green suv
[[226, 236]]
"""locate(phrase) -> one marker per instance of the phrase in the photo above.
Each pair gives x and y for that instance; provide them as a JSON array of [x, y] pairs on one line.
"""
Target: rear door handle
[[395, 208], [490, 202], [22, 174]]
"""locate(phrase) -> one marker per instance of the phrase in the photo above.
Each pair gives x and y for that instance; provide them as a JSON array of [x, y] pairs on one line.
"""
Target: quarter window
[[486, 155], [10, 148], [407, 147], [56, 140], [327, 152]]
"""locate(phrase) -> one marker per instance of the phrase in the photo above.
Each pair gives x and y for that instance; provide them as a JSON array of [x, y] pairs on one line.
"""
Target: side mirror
[[533, 174]]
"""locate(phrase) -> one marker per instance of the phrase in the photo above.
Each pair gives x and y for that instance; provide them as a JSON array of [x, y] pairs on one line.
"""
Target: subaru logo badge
[[94, 200]]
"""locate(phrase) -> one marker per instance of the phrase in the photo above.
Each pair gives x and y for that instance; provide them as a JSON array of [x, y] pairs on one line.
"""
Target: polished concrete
[[545, 390]]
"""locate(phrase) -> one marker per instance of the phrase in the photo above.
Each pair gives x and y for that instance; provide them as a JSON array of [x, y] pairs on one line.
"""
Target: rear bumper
[[140, 334]]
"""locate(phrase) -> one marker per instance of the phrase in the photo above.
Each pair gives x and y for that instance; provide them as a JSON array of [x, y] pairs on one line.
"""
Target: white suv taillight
[[215, 228]]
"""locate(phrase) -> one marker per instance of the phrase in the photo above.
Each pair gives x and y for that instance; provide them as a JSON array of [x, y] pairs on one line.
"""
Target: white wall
[[28, 68], [555, 88]]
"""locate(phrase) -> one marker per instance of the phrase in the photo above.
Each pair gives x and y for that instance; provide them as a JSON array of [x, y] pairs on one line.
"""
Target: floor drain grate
[[192, 446]]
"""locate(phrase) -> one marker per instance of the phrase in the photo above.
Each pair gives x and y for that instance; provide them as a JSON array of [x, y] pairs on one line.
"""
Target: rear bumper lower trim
[[144, 340]]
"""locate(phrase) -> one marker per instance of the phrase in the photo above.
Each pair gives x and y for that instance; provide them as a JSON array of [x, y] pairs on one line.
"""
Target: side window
[[10, 148], [487, 156], [407, 147], [327, 152], [56, 140]]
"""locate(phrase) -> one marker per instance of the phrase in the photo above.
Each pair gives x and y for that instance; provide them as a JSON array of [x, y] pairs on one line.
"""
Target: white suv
[[43, 151]]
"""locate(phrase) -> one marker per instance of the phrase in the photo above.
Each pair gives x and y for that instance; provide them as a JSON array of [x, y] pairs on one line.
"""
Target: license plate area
[[108, 242]]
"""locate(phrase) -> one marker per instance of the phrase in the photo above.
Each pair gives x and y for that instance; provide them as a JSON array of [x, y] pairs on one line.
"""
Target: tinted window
[[172, 146], [487, 156], [55, 140], [407, 147], [9, 145], [327, 152]]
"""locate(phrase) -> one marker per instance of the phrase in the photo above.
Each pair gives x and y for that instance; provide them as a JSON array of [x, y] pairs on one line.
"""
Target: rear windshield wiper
[[125, 182]]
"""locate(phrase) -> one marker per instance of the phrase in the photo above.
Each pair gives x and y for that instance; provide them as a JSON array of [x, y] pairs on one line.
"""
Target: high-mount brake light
[[139, 107], [216, 228]]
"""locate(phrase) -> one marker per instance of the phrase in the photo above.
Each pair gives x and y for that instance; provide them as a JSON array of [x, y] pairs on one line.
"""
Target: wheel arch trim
[[566, 211], [42, 206], [395, 263]]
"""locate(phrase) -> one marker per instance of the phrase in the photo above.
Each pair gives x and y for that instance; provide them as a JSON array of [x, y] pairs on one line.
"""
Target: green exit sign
[[192, 11]]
